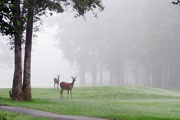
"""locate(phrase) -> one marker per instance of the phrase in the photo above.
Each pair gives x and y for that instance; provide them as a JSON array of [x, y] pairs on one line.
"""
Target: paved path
[[45, 114]]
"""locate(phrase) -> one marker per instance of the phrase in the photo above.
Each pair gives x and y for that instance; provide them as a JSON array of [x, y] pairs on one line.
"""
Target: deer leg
[[61, 93], [71, 94], [68, 93]]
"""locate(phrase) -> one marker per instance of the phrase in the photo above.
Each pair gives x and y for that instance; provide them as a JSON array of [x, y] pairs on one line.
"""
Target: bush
[[3, 116]]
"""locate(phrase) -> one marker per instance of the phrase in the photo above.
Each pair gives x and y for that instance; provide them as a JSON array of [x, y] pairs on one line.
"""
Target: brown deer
[[67, 86], [56, 81]]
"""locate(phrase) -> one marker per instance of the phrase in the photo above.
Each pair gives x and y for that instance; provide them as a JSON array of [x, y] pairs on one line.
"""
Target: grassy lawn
[[121, 103], [16, 116]]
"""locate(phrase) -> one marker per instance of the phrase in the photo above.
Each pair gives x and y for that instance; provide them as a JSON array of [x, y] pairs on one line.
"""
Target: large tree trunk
[[27, 58], [17, 80]]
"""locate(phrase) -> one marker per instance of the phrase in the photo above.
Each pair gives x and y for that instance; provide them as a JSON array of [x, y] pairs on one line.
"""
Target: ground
[[121, 103], [17, 116]]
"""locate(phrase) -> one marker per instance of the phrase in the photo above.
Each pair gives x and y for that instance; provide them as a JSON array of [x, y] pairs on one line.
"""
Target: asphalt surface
[[45, 114]]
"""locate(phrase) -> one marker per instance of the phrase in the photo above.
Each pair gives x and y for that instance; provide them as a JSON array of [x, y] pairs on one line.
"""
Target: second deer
[[56, 81], [67, 86]]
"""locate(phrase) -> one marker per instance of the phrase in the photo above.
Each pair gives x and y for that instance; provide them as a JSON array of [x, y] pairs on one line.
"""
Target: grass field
[[121, 103], [16, 116]]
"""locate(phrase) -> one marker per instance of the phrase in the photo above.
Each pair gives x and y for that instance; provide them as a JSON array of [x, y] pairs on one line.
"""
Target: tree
[[177, 2], [148, 52], [80, 6], [17, 79], [17, 17], [32, 10], [7, 11]]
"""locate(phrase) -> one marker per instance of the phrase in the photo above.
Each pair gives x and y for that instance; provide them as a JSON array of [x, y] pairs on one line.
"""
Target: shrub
[[3, 116]]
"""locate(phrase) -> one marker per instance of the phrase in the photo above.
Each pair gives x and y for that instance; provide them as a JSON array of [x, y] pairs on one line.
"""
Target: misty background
[[132, 42]]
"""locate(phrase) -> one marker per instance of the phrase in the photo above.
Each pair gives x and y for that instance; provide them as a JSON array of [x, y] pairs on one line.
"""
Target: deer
[[67, 86], [56, 81]]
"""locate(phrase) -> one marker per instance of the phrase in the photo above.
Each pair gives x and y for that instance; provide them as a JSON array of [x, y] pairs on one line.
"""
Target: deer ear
[[72, 77]]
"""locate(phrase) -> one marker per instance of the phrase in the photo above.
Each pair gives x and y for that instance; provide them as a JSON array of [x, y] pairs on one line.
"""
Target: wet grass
[[122, 103], [17, 116]]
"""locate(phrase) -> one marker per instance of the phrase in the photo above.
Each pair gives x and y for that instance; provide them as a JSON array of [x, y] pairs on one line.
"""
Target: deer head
[[74, 78], [58, 76]]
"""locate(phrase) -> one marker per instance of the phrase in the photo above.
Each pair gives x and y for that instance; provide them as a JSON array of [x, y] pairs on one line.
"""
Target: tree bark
[[94, 73], [82, 74], [101, 74], [27, 58], [17, 79]]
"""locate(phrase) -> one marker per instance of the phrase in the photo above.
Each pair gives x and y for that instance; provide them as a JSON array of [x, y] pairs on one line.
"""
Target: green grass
[[121, 103], [17, 116]]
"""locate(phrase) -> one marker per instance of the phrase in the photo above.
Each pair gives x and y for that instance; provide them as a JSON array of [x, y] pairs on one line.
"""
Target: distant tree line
[[140, 54]]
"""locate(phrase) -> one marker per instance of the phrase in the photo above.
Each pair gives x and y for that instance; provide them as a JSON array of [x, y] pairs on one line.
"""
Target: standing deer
[[67, 86], [56, 81]]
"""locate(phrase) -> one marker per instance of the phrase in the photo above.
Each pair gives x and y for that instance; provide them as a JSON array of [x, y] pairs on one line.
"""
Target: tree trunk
[[110, 78], [82, 74], [94, 74], [17, 79], [27, 59], [101, 74]]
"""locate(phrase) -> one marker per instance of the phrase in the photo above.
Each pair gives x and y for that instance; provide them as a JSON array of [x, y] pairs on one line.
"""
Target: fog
[[132, 42]]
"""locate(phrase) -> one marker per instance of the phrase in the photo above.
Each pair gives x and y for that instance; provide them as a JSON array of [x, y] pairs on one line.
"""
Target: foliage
[[7, 11], [176, 3], [3, 116]]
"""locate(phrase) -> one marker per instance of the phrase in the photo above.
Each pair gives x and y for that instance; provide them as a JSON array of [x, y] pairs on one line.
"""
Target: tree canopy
[[176, 3], [7, 11]]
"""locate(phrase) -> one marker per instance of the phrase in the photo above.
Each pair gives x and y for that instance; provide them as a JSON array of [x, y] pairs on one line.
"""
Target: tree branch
[[177, 2]]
